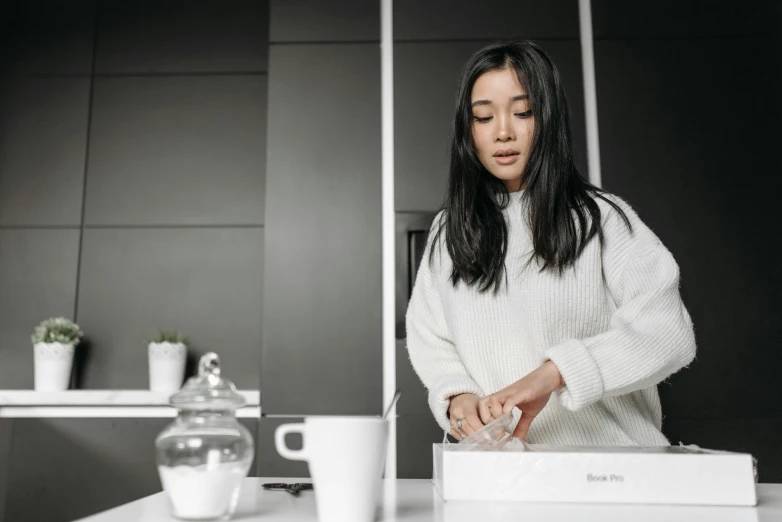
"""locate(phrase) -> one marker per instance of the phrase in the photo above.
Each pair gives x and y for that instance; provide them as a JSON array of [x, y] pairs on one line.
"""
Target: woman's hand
[[530, 394], [464, 408]]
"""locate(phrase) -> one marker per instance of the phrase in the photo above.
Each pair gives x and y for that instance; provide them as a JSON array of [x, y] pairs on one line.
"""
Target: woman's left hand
[[530, 394]]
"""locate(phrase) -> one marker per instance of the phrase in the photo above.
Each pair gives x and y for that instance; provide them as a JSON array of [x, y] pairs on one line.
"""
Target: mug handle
[[282, 447]]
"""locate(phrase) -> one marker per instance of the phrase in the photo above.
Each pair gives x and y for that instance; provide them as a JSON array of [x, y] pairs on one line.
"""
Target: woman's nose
[[504, 129]]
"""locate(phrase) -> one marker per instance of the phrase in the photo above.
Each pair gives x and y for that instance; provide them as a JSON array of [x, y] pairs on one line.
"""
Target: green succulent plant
[[174, 337], [57, 330]]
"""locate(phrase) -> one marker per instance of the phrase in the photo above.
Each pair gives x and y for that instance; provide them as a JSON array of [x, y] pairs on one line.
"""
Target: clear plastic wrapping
[[495, 436]]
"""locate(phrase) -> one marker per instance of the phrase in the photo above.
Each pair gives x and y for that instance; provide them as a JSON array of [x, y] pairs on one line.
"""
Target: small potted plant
[[53, 346], [167, 357]]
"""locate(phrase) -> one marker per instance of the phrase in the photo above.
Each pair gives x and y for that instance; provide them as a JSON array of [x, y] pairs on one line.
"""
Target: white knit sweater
[[612, 341]]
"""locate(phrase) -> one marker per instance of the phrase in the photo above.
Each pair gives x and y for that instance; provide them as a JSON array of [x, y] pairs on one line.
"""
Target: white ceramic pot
[[53, 363], [166, 366]]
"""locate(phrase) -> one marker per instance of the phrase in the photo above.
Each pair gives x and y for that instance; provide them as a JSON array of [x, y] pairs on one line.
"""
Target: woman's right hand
[[464, 407]]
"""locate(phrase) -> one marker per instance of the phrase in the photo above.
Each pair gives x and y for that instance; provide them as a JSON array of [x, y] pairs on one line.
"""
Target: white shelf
[[102, 403]]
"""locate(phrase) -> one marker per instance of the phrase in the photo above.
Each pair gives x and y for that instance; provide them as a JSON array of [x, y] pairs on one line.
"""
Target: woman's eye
[[525, 114], [482, 120]]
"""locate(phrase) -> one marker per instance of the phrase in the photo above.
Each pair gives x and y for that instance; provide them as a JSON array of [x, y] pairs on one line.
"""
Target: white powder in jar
[[204, 492]]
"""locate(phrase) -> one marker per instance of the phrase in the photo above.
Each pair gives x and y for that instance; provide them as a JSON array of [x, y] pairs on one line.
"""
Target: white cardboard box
[[628, 475]]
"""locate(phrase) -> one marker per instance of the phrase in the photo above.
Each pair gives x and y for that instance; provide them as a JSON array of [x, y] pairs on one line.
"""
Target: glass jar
[[204, 455]]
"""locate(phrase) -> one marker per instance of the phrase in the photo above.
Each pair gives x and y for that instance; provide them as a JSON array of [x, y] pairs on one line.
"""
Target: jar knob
[[209, 364]]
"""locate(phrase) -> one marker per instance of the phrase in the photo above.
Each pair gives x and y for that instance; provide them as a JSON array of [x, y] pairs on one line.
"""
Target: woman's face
[[502, 125]]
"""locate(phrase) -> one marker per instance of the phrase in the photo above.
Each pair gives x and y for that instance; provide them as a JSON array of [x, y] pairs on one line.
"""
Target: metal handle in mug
[[282, 447]]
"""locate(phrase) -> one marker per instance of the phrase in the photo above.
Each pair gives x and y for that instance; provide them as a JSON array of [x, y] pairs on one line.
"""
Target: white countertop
[[417, 501], [102, 403]]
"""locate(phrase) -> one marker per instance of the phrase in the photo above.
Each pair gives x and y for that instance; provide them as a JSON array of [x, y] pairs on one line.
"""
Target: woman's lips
[[507, 159]]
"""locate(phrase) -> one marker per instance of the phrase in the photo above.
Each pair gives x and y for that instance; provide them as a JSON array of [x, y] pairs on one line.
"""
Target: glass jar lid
[[207, 390]]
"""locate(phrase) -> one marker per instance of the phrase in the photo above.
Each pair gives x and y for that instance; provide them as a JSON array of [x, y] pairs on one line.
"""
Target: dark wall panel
[[177, 150], [322, 294], [317, 21], [619, 19], [93, 464], [204, 282], [486, 20], [46, 37], [426, 78], [37, 281], [685, 135], [43, 140], [415, 435], [192, 36], [6, 425], [416, 429]]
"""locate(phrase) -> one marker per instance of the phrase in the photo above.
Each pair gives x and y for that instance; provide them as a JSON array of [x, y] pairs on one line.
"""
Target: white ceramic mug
[[346, 456]]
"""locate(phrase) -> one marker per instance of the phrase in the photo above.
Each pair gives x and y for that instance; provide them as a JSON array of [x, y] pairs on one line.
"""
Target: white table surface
[[417, 501]]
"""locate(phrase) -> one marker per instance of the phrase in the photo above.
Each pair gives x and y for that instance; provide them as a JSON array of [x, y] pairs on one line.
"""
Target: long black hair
[[476, 234]]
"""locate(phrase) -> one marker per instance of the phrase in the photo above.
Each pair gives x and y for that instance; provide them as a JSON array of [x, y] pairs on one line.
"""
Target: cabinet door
[[322, 350]]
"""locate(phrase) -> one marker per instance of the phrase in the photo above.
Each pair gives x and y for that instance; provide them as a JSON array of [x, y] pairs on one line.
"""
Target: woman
[[536, 282]]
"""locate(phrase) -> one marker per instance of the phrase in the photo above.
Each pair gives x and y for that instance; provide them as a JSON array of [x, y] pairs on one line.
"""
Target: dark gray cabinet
[[454, 20], [322, 287], [177, 150], [43, 137], [317, 22], [150, 37]]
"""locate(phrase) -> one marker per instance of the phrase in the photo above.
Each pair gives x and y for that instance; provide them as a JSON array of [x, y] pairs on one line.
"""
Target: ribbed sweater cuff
[[439, 397], [583, 383]]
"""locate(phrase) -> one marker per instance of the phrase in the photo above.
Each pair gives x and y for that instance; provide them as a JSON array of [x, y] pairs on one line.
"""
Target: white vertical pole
[[389, 276], [590, 92]]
